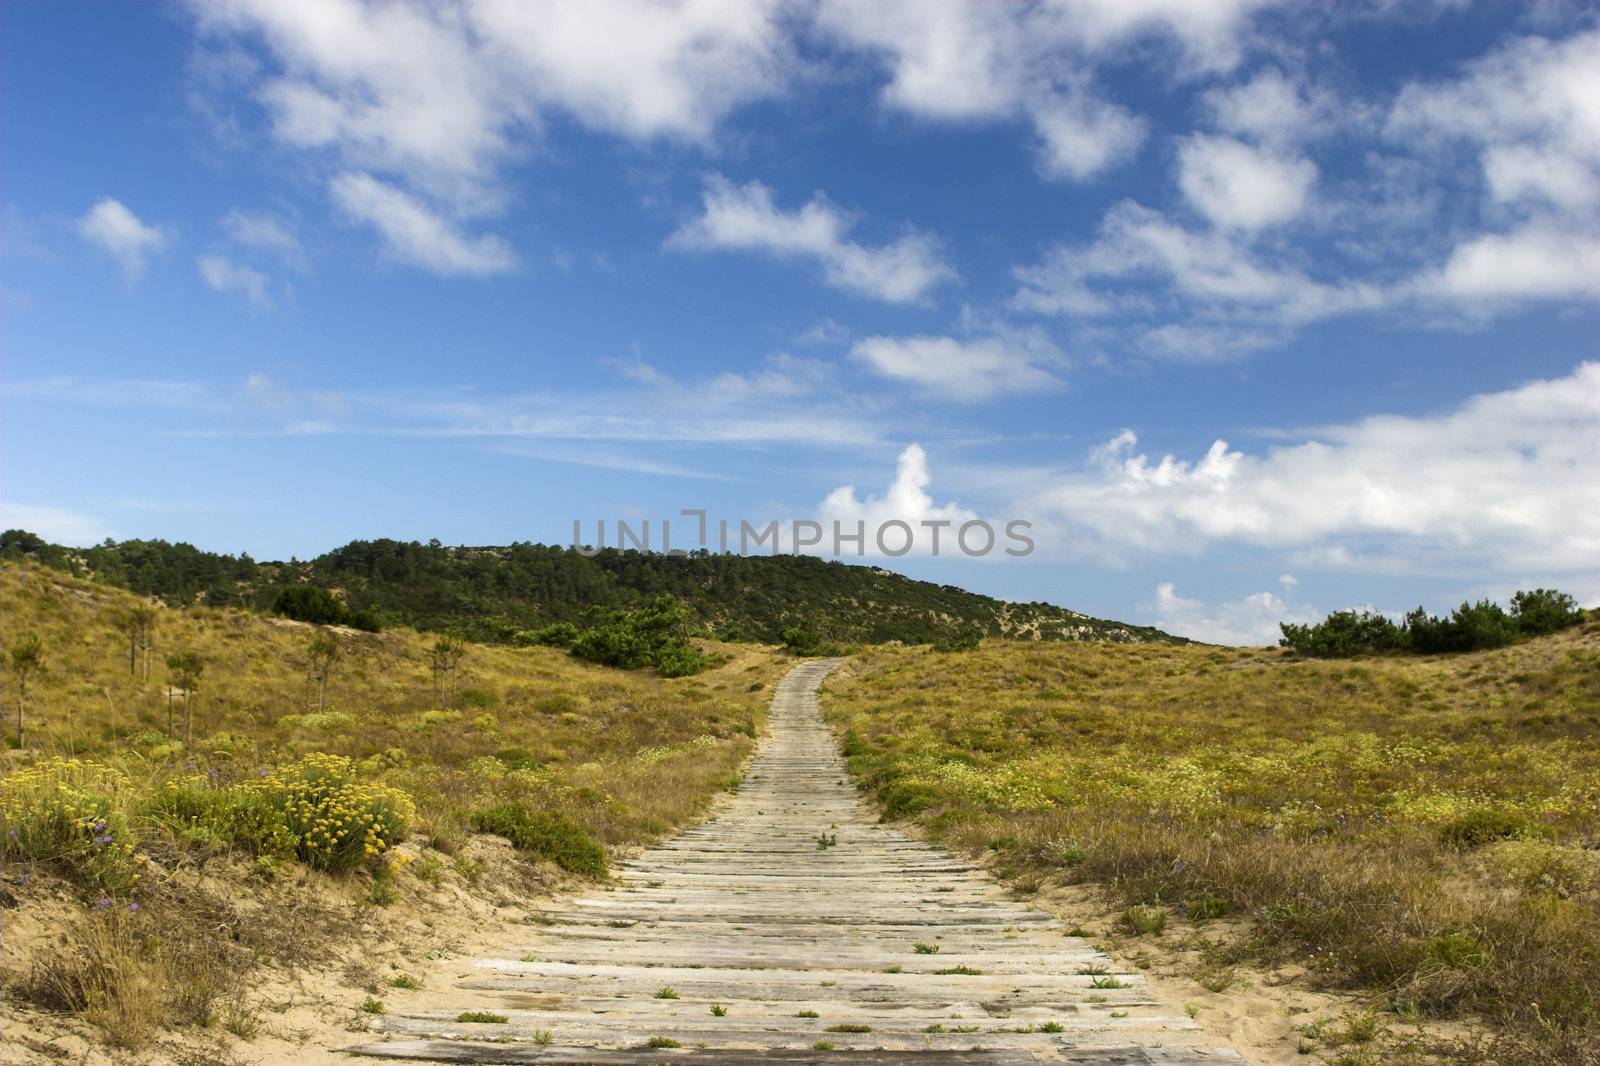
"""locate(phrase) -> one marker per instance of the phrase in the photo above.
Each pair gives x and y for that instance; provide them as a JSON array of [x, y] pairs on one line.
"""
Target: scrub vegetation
[[1419, 829], [275, 764]]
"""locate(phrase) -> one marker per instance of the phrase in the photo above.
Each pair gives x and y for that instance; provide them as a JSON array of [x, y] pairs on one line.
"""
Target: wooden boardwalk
[[807, 946]]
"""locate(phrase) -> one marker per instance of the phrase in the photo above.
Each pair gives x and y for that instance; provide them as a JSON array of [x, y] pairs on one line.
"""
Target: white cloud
[[780, 376], [1509, 481], [966, 60], [1534, 262], [907, 500], [1237, 186], [1269, 108], [1251, 621], [963, 370], [441, 97], [1082, 134], [744, 217], [264, 233], [1212, 275], [639, 68], [1531, 108], [414, 234], [224, 275], [1531, 111], [54, 524], [119, 231]]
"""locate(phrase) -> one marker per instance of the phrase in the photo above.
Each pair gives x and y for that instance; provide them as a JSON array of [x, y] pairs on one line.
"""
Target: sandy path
[[748, 913]]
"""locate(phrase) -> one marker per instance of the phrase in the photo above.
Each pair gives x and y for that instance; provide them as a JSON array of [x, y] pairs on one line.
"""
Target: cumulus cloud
[[224, 275], [1082, 135], [1530, 110], [639, 68], [1238, 186], [1250, 621], [966, 370], [1270, 108], [1534, 262], [414, 234], [437, 100], [1509, 481], [119, 231], [906, 500], [745, 218]]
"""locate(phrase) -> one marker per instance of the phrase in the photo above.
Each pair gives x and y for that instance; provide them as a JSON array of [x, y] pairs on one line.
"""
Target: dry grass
[[1420, 828], [626, 756]]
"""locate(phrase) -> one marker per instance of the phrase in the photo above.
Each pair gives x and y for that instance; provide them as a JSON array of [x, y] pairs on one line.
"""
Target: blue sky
[[277, 275]]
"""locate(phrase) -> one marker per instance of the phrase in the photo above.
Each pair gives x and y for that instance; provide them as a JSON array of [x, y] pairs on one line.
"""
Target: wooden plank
[[746, 913]]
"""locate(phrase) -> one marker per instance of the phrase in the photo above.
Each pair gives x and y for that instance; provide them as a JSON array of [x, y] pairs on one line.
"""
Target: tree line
[[1470, 627], [497, 594]]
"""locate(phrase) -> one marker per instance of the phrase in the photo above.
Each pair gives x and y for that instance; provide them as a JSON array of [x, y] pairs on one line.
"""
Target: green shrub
[[555, 635], [1477, 828], [1207, 907], [69, 811], [964, 638], [557, 703], [654, 636], [1470, 627], [309, 603], [1144, 920], [1457, 951], [909, 797], [1544, 611], [680, 660], [1343, 634], [617, 644], [517, 759], [545, 834]]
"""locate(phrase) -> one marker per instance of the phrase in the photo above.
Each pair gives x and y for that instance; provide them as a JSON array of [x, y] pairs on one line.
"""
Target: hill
[[170, 856], [493, 593], [1418, 829]]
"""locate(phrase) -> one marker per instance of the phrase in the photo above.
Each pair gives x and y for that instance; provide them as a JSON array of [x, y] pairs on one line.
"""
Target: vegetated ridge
[[496, 593]]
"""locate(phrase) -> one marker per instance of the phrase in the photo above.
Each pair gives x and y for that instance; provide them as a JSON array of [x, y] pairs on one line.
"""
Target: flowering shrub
[[322, 811], [68, 810]]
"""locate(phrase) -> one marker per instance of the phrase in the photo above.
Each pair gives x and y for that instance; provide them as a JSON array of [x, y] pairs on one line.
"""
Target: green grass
[[1363, 814], [482, 1017]]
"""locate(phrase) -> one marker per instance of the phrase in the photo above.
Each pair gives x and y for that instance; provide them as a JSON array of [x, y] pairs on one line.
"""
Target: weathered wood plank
[[797, 944]]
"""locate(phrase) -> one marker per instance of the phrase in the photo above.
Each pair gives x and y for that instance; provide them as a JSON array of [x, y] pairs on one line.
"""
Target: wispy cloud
[[416, 235], [967, 370], [131, 241], [222, 274], [745, 218]]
